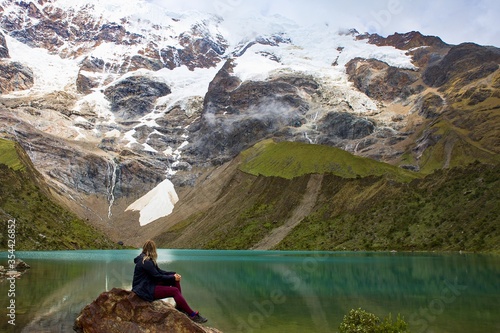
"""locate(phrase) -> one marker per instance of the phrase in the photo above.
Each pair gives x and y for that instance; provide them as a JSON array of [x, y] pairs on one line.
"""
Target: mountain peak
[[110, 99], [404, 41]]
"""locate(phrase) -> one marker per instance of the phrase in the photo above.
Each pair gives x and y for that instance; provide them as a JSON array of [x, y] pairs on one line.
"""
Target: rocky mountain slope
[[135, 115], [25, 198]]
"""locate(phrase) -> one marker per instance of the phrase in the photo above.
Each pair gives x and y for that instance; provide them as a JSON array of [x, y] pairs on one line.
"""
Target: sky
[[455, 21]]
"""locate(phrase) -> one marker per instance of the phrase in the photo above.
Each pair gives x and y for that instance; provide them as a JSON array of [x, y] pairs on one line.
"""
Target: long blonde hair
[[149, 250]]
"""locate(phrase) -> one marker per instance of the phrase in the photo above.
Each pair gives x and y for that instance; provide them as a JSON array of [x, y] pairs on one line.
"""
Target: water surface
[[272, 291]]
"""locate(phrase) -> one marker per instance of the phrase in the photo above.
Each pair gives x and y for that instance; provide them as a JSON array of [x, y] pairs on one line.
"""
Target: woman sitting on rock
[[151, 283]]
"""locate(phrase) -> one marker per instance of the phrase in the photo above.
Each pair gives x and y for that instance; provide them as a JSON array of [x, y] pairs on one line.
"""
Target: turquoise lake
[[271, 291]]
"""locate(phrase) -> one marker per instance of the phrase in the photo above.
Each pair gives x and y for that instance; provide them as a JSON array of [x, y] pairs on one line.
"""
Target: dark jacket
[[147, 275]]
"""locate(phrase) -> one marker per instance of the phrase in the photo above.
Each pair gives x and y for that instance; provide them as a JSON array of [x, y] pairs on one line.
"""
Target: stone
[[343, 125], [238, 114], [20, 265], [122, 311], [429, 106]]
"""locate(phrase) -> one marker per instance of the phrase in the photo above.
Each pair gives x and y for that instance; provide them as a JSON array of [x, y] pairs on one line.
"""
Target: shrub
[[387, 326], [360, 321]]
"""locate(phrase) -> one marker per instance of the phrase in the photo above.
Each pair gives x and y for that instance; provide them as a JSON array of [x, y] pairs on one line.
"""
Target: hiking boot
[[198, 319]]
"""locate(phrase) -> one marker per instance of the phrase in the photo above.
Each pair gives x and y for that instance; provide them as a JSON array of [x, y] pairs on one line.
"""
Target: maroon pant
[[175, 292]]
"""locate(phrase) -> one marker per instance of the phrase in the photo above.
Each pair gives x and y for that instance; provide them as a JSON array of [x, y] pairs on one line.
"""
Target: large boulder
[[122, 311], [13, 271]]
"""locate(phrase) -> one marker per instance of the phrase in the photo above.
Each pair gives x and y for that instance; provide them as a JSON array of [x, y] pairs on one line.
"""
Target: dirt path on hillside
[[302, 210]]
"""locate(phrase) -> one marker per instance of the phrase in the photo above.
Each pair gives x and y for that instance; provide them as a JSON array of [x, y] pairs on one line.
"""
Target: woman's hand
[[177, 277]]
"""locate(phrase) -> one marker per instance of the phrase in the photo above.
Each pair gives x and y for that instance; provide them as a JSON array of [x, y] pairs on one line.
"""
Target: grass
[[265, 208], [9, 155], [293, 159]]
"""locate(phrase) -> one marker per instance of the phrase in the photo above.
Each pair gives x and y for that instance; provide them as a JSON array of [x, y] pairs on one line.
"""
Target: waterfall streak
[[111, 188]]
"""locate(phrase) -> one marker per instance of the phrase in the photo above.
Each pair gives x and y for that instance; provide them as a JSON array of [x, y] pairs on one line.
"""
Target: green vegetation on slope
[[41, 224], [451, 210], [252, 207], [9, 155], [453, 147], [448, 210], [466, 131], [293, 159]]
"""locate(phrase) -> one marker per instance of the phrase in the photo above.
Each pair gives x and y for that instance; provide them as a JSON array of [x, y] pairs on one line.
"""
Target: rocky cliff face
[[13, 75], [382, 82], [113, 106], [4, 51], [238, 114]]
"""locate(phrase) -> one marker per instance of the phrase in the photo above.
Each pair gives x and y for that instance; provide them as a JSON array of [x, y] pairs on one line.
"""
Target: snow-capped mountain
[[118, 103]]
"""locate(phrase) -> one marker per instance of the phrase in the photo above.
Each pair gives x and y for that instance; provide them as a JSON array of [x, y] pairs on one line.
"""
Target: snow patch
[[51, 73], [129, 136], [157, 203], [149, 148], [96, 102]]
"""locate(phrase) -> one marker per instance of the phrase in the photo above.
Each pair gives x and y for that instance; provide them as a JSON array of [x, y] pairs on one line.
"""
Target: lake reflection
[[271, 291]]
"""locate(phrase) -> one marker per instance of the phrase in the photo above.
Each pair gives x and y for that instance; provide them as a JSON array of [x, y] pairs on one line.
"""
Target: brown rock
[[380, 81], [14, 76], [21, 265], [464, 64], [404, 41], [122, 311]]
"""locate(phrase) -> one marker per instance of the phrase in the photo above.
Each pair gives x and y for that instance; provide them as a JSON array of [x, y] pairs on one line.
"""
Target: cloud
[[455, 21]]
